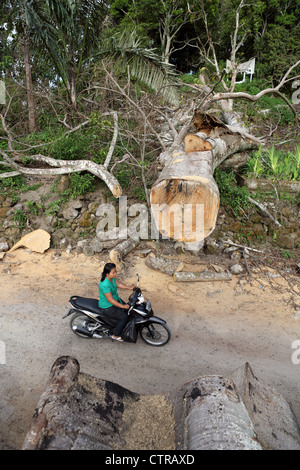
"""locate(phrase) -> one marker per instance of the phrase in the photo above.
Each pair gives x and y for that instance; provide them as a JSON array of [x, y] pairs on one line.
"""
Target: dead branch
[[253, 98], [246, 262], [163, 264], [61, 166], [264, 211], [135, 105], [113, 142]]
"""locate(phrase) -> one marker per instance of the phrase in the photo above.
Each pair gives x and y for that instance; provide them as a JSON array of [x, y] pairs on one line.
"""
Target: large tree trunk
[[186, 183]]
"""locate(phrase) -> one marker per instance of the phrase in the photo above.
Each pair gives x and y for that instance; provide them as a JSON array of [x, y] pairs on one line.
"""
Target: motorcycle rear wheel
[[155, 334], [81, 321]]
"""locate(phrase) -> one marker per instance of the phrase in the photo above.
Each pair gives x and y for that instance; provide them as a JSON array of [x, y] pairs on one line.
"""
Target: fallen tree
[[187, 178], [188, 169], [187, 175]]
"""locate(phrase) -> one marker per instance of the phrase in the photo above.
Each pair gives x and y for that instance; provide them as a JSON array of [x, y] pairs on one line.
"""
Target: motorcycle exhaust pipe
[[83, 331]]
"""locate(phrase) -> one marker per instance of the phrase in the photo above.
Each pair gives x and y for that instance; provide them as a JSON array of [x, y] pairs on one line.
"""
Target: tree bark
[[203, 276], [165, 265], [117, 254], [187, 181], [29, 88]]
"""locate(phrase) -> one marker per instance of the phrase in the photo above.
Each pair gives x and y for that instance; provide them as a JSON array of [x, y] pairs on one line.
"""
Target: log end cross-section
[[185, 198]]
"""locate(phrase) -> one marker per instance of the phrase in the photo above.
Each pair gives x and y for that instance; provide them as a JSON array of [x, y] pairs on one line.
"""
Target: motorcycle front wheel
[[155, 334], [81, 322]]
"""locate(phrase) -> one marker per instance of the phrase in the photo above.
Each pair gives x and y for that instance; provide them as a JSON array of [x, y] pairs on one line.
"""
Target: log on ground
[[117, 254], [203, 276], [80, 412], [163, 264]]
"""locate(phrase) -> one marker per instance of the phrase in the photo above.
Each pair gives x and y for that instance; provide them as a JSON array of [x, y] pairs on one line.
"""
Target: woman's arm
[[122, 286], [110, 299]]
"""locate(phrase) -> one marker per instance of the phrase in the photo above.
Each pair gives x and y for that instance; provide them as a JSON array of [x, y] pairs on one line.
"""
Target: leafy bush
[[20, 218], [81, 183], [231, 195], [71, 147]]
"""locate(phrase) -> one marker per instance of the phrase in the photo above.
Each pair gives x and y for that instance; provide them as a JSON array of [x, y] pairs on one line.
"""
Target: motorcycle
[[89, 321]]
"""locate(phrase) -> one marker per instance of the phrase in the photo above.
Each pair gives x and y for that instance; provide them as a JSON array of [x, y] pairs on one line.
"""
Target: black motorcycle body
[[90, 321]]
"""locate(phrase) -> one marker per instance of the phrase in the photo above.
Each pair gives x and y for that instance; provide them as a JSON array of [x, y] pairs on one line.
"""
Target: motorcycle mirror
[[137, 280]]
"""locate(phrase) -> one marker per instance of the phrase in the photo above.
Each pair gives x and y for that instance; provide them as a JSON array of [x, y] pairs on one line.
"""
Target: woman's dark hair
[[106, 270]]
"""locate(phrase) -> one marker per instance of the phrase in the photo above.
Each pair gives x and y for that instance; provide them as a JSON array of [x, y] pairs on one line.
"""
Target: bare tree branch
[[113, 142], [135, 105]]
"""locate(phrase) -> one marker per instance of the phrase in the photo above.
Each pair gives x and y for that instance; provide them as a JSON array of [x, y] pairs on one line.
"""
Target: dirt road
[[216, 327]]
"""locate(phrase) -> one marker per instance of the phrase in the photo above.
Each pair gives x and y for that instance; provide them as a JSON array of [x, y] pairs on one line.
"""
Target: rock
[[236, 269], [211, 246], [57, 236], [4, 246], [70, 213], [63, 184], [12, 233], [236, 226], [258, 229], [88, 250], [287, 212], [286, 241], [81, 245], [3, 212], [235, 255], [93, 206], [64, 243], [85, 222], [96, 245], [38, 241], [180, 248]]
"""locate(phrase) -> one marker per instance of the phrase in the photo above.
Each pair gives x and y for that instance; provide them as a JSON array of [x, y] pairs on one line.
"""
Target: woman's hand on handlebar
[[126, 306]]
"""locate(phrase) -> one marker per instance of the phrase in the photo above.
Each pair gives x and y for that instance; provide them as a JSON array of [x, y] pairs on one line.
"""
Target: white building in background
[[247, 68]]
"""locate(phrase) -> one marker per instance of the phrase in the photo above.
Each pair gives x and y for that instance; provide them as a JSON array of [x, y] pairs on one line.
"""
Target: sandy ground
[[216, 327]]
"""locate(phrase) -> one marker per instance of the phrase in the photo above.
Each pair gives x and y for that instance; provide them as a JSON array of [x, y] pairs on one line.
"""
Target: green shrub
[[274, 164], [81, 183], [231, 195], [20, 218], [71, 147]]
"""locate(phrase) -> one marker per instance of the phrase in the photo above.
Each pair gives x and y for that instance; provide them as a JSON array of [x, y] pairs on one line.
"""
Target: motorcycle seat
[[86, 303]]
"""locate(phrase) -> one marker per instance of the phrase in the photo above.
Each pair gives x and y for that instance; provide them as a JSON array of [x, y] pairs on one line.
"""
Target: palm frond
[[143, 63]]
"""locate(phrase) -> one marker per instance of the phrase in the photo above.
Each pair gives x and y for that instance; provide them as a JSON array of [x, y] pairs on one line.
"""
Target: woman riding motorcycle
[[109, 300]]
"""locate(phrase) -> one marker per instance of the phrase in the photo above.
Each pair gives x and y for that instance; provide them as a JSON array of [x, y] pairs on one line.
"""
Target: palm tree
[[127, 49], [73, 34], [69, 30], [15, 21]]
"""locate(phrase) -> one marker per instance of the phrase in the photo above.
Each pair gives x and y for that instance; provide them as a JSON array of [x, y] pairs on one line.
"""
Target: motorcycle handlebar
[[137, 291]]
